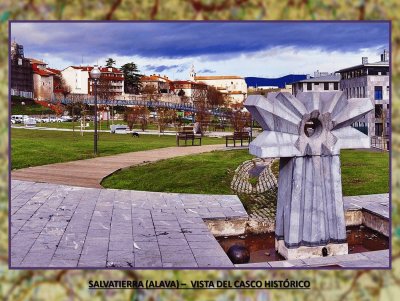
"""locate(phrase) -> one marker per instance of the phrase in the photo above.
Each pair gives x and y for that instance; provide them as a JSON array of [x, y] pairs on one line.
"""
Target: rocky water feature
[[261, 247]]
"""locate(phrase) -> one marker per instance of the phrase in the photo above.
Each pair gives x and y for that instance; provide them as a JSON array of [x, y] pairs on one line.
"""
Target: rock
[[238, 254]]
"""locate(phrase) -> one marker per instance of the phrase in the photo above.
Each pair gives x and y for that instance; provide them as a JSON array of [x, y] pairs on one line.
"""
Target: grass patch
[[363, 172], [31, 109], [36, 147], [209, 173]]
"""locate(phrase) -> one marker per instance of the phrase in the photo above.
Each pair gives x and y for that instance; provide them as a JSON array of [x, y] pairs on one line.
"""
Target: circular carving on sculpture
[[238, 254], [313, 128]]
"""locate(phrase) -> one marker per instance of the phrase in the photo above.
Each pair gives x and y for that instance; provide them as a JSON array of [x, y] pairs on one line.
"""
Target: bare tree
[[76, 108], [164, 117], [105, 92], [203, 116], [151, 92], [138, 114], [239, 120], [215, 98], [64, 87]]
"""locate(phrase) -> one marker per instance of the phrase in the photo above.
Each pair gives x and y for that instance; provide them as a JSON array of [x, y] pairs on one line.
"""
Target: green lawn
[[103, 125], [35, 147], [208, 173], [31, 109], [363, 172]]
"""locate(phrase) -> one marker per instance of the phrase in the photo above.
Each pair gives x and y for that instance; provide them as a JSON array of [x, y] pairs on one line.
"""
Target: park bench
[[239, 136], [219, 127], [186, 133]]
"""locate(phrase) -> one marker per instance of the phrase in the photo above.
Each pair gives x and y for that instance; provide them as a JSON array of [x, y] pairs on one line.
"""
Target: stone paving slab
[[375, 203], [66, 226]]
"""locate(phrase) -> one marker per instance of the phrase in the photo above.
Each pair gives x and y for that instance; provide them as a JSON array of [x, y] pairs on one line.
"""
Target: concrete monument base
[[310, 252]]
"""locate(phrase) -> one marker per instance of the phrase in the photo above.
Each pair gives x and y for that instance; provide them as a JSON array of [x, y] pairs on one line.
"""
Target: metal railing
[[381, 143]]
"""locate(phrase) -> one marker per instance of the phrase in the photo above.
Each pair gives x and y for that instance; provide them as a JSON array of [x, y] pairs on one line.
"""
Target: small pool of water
[[262, 246]]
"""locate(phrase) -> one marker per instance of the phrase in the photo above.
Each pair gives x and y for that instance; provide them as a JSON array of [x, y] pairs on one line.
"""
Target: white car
[[30, 122], [66, 118], [19, 118], [119, 129]]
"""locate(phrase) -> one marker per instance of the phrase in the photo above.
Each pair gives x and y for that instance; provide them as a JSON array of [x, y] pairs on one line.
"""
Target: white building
[[234, 87], [78, 78], [370, 80], [322, 81]]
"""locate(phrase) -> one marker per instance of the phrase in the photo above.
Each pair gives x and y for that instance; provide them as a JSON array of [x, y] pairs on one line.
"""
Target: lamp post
[[95, 75]]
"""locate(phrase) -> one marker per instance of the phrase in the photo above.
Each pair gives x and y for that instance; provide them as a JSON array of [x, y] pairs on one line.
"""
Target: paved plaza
[[62, 226], [65, 226]]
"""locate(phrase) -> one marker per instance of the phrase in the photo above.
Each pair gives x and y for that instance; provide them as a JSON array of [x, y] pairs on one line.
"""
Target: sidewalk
[[90, 172], [64, 226]]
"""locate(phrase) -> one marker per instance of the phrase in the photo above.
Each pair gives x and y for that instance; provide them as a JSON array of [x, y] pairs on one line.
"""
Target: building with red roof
[[161, 84], [78, 78], [44, 80]]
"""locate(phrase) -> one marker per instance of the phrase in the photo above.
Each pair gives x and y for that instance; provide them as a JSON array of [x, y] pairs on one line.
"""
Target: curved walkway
[[90, 172]]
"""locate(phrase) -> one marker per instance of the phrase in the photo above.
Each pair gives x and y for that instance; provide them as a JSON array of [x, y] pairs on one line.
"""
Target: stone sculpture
[[307, 132]]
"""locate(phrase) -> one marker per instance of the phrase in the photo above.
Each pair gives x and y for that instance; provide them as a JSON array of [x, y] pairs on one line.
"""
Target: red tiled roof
[[102, 69], [38, 62], [154, 77], [42, 72], [56, 71]]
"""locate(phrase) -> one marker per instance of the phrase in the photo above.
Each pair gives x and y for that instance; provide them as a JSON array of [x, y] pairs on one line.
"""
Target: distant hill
[[280, 81]]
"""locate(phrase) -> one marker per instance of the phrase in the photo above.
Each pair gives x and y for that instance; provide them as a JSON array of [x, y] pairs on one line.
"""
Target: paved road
[[90, 172]]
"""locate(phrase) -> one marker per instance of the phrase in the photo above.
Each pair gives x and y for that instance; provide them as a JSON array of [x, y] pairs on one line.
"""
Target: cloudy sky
[[215, 48]]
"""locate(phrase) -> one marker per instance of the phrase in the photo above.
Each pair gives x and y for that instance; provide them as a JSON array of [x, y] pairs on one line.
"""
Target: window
[[378, 92], [378, 111], [326, 86], [335, 86], [378, 129], [309, 86]]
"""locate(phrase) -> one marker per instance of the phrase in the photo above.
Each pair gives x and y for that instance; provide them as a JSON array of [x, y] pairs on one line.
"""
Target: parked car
[[45, 119], [66, 118], [30, 122], [18, 118], [119, 129]]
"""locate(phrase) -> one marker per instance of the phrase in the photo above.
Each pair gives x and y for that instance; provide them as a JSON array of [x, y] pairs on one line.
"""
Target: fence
[[381, 143], [24, 94]]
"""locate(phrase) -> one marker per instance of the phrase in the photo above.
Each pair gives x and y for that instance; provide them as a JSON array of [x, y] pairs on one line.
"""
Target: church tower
[[192, 73]]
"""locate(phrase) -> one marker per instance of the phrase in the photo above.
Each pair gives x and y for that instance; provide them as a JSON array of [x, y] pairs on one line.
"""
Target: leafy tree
[[110, 62], [132, 78]]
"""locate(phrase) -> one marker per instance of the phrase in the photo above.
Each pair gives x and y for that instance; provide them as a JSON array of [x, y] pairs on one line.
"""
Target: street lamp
[[95, 75]]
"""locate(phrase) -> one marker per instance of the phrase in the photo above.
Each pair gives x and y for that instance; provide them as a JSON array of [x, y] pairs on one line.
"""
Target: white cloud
[[274, 62]]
